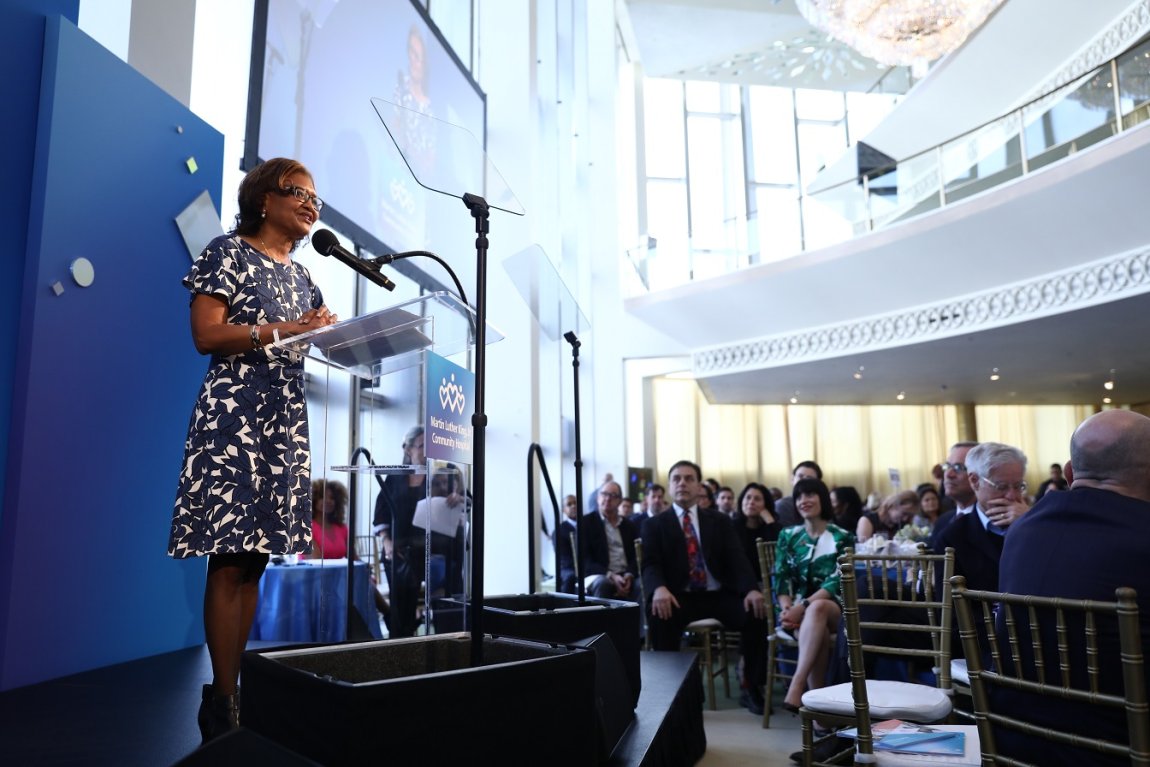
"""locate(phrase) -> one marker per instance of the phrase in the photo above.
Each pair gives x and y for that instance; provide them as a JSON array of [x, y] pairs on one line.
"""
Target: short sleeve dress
[[245, 484], [803, 566]]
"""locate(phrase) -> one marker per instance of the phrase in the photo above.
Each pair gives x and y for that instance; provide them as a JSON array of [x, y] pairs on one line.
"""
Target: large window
[[726, 166]]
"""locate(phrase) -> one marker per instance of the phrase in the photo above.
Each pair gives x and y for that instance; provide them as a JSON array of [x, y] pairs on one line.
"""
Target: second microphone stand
[[580, 589]]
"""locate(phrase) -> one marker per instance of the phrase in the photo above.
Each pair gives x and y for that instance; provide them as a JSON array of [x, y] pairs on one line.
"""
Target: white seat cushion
[[704, 623], [958, 671], [888, 700]]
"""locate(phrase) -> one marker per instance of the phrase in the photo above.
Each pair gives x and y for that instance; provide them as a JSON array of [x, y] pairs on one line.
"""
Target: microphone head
[[324, 241]]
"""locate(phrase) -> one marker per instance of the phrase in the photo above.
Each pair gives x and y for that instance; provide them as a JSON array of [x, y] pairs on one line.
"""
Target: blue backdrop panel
[[105, 375], [21, 51]]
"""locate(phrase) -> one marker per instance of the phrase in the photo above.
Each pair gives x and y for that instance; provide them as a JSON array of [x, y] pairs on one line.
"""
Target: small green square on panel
[[192, 166]]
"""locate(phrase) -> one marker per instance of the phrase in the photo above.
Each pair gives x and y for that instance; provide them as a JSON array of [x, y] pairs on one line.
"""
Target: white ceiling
[[1085, 208], [762, 42]]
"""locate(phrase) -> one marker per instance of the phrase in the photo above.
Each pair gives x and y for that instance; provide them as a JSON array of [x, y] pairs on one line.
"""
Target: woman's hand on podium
[[309, 320]]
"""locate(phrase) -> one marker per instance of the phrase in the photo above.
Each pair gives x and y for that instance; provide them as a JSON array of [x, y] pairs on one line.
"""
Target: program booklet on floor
[[901, 737]]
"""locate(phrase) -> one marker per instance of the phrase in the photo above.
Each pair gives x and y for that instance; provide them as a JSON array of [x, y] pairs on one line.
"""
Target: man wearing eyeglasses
[[956, 487], [609, 566], [995, 472]]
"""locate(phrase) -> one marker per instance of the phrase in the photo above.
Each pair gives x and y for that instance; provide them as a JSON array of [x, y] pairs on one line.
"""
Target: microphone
[[327, 244]]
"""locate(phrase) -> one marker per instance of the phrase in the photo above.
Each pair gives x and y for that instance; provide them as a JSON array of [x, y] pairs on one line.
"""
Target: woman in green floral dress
[[806, 581]]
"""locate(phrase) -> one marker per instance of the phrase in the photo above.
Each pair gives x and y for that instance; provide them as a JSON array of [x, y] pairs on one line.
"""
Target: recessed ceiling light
[[994, 374], [1105, 400], [901, 396]]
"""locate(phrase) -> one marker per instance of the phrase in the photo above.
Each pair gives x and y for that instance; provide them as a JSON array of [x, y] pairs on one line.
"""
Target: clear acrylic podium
[[367, 383]]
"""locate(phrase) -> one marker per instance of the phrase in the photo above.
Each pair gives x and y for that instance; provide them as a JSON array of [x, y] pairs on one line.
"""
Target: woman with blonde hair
[[895, 511]]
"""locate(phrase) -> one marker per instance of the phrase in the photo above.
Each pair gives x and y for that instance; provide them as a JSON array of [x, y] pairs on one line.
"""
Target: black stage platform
[[143, 713]]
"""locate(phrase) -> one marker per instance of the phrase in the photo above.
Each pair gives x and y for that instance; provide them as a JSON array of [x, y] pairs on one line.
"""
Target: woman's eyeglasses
[[302, 195]]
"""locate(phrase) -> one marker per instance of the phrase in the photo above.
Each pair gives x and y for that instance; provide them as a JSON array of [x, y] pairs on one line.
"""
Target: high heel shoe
[[218, 714], [790, 707]]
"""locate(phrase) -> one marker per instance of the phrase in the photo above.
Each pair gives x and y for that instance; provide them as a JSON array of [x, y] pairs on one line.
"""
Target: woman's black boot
[[218, 713]]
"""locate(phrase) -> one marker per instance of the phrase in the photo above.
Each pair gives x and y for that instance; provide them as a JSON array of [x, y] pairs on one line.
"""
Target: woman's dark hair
[[817, 487], [768, 500], [269, 177], [451, 478], [849, 497], [337, 492], [929, 489]]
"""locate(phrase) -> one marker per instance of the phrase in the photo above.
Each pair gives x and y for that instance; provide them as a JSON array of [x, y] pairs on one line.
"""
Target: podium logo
[[451, 395]]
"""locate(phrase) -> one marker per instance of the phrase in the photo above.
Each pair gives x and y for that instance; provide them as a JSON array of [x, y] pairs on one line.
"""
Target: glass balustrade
[[1097, 105]]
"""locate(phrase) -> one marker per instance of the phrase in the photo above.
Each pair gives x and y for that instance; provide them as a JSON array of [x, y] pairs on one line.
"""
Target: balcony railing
[[1102, 103]]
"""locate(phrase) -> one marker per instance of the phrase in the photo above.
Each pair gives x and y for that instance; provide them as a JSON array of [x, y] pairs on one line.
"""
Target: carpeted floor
[[735, 737]]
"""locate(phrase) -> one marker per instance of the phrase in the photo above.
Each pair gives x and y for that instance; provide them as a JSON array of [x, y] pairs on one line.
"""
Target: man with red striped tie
[[693, 568]]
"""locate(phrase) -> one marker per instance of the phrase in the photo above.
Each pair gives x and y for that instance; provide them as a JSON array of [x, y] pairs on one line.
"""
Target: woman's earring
[[263, 214]]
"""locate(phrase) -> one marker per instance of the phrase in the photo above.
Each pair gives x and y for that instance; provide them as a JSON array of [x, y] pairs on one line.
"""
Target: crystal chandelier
[[899, 32]]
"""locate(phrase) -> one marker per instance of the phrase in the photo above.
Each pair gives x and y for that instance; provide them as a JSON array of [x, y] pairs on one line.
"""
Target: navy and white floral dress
[[246, 479]]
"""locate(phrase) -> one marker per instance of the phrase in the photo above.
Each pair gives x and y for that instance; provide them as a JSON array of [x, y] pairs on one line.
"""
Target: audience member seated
[[328, 520], [725, 502], [564, 555], [445, 514], [755, 521], [1055, 482], [848, 507], [694, 567], [996, 474], [896, 510], [706, 497], [930, 507], [1084, 544], [403, 550], [329, 532], [626, 508], [806, 582], [609, 567], [593, 501], [651, 505], [957, 491], [785, 505]]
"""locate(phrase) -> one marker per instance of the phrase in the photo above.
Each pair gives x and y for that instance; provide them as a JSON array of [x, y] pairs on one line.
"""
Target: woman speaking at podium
[[245, 485]]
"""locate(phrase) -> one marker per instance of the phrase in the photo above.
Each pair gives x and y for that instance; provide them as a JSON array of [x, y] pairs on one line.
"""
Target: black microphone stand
[[482, 214], [580, 589]]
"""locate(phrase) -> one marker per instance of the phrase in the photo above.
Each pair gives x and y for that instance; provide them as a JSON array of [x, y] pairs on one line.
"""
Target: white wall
[[549, 70]]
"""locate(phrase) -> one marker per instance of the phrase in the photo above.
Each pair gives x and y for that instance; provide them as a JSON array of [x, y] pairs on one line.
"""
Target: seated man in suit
[[996, 474], [565, 559], [956, 490], [694, 567], [1083, 544], [609, 565]]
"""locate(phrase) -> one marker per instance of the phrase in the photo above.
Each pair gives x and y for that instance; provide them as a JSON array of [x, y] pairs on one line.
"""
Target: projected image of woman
[[245, 486], [412, 93]]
